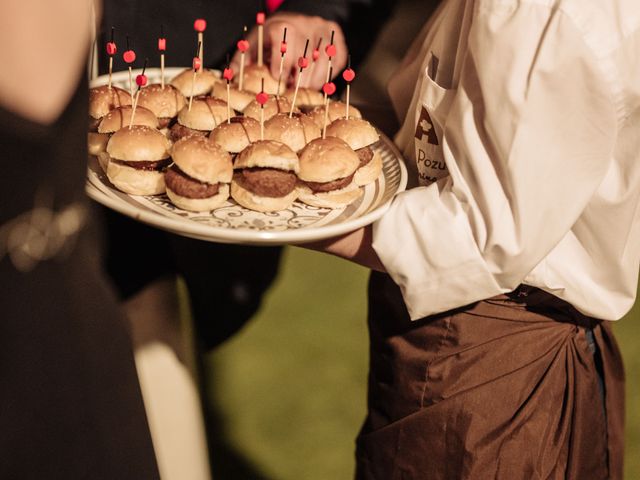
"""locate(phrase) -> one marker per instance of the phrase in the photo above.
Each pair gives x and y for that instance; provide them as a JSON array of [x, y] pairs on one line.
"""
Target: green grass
[[289, 390]]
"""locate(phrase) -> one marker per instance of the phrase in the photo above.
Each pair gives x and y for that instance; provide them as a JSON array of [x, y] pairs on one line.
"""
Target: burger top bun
[[336, 110], [253, 75], [104, 99], [238, 100], [163, 102], [268, 154], [205, 114], [138, 143], [202, 159], [121, 117], [306, 97], [295, 131], [273, 106], [237, 135], [325, 160], [358, 133], [203, 83]]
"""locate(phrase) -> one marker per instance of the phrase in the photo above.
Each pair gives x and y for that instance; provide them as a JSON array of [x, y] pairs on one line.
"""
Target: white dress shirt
[[523, 132]]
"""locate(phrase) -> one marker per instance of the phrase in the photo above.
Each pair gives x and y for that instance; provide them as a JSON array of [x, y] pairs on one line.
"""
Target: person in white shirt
[[495, 276]]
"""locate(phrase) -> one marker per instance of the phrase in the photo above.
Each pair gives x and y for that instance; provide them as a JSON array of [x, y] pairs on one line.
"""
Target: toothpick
[[196, 64], [201, 50], [283, 51], [141, 81], [162, 46], [260, 16], [330, 49], [315, 55], [302, 63], [110, 70], [326, 116]]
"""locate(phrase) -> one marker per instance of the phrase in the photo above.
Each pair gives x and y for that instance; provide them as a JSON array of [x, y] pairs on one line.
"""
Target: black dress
[[70, 402]]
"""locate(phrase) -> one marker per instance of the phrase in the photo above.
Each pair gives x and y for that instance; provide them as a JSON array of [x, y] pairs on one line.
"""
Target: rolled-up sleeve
[[527, 141]]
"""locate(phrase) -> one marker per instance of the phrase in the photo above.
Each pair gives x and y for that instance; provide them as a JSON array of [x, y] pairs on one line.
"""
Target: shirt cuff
[[425, 243]]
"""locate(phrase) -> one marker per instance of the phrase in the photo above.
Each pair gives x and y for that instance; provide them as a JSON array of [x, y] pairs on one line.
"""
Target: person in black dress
[[70, 403]]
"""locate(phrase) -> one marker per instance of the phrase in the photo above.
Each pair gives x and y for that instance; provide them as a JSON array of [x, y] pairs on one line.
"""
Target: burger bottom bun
[[97, 142], [258, 203], [335, 199], [369, 172], [200, 204], [136, 182], [103, 161]]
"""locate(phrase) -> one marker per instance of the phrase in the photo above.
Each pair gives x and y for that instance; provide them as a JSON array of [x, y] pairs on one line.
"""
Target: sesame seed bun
[[104, 99], [203, 84], [268, 154], [237, 135], [121, 117], [273, 106], [163, 102], [205, 114], [336, 110], [295, 131], [202, 160]]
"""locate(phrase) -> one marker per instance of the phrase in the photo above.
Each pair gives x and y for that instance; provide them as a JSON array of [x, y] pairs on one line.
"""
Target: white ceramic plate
[[232, 223]]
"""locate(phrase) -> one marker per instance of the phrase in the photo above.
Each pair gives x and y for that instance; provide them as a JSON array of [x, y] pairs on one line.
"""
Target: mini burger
[[101, 101], [253, 75], [360, 135], [118, 118], [200, 175], [236, 135], [295, 131], [206, 113], [203, 83], [327, 168], [238, 100], [138, 157], [265, 177], [165, 102], [273, 106], [336, 110], [307, 98]]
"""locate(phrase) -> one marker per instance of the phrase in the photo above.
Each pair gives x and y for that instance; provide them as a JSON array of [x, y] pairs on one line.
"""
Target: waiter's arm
[[516, 132]]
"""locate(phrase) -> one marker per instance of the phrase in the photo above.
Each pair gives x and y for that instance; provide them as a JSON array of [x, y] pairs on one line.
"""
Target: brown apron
[[509, 388]]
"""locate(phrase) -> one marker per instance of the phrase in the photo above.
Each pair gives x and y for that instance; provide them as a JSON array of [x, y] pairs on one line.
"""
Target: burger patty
[[179, 131], [267, 182], [94, 123], [364, 155], [164, 122], [337, 184], [156, 165], [186, 186]]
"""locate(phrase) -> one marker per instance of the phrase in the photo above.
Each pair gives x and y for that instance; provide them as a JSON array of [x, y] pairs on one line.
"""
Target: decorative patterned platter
[[232, 223]]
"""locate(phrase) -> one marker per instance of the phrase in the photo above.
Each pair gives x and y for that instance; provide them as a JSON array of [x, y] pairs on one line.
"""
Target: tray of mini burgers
[[208, 156]]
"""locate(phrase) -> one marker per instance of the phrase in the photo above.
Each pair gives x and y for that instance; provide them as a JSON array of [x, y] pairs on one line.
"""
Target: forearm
[[354, 246]]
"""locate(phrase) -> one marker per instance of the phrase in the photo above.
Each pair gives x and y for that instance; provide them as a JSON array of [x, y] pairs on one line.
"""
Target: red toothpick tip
[[162, 44], [129, 56], [303, 62], [329, 88], [141, 80], [283, 47], [316, 54], [196, 64], [200, 25], [349, 75], [331, 50], [243, 45], [262, 98], [260, 17], [111, 48], [227, 74]]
